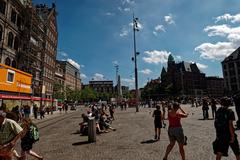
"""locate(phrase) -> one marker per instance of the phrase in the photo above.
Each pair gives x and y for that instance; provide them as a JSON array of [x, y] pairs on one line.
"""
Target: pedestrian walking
[[225, 135], [35, 111], [236, 99], [157, 114], [111, 111], [27, 141], [42, 112], [205, 108], [10, 132], [214, 107], [175, 130]]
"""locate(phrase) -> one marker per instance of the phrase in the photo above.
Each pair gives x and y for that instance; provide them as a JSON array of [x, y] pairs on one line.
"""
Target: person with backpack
[[31, 136], [225, 135]]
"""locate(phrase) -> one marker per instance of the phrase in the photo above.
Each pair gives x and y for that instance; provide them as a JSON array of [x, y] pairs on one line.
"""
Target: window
[[13, 16], [19, 21], [16, 43], [7, 61], [10, 39], [1, 32], [14, 64], [10, 76], [2, 6]]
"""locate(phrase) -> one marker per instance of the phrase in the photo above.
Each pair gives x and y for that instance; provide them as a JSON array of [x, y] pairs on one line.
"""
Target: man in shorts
[[10, 132], [225, 131]]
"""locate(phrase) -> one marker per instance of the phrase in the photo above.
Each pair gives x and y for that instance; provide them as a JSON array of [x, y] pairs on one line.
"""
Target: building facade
[[231, 72], [11, 26], [104, 86], [183, 78], [49, 17], [71, 74], [215, 86]]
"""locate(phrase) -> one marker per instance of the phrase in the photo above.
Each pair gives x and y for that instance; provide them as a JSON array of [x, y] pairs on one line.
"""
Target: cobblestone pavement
[[131, 141]]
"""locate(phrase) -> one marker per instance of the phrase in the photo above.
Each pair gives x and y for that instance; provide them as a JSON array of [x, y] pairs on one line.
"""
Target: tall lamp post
[[135, 28]]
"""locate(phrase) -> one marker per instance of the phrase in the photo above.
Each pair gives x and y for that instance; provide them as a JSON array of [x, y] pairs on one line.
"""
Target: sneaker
[[185, 140]]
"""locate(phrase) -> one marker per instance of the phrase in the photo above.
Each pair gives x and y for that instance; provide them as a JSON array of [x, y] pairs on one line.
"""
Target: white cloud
[[98, 77], [115, 62], [125, 2], [156, 56], [110, 14], [220, 50], [127, 9], [178, 57], [83, 76], [75, 64], [228, 17], [146, 71], [62, 53], [169, 19], [124, 32], [158, 29], [82, 66], [128, 81], [155, 33], [201, 66], [216, 51]]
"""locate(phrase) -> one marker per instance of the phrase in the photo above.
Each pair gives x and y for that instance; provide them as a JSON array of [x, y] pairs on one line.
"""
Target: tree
[[58, 91], [88, 94]]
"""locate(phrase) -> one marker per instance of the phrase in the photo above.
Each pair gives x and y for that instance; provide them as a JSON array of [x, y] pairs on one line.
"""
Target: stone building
[[104, 86], [71, 74], [231, 72], [49, 17], [183, 78], [11, 26], [215, 86]]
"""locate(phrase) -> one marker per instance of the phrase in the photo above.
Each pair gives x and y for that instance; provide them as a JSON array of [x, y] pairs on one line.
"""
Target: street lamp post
[[135, 28]]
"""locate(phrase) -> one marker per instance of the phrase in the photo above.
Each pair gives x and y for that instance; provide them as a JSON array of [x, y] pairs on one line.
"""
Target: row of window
[[51, 36], [12, 41], [48, 73], [15, 17], [50, 48], [49, 86], [49, 60]]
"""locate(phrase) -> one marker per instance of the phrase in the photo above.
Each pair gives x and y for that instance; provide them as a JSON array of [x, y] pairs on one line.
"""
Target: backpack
[[34, 133], [221, 122]]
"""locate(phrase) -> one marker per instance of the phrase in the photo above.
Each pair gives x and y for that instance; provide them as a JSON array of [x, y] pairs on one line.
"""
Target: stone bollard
[[91, 129]]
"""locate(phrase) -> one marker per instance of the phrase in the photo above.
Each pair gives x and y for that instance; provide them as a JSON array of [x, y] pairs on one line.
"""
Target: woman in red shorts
[[175, 130]]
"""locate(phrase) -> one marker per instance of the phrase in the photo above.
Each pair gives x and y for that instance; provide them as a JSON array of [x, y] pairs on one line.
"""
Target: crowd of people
[[15, 126], [223, 118], [103, 115]]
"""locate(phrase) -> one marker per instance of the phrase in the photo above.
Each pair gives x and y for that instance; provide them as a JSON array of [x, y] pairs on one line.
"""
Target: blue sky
[[95, 35]]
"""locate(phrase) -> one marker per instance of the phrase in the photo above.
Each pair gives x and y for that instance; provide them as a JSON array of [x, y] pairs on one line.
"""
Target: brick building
[[183, 78]]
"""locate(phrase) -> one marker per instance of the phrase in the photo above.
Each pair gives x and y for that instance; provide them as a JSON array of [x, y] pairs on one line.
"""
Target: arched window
[[16, 43], [10, 39], [1, 32], [14, 64], [8, 61]]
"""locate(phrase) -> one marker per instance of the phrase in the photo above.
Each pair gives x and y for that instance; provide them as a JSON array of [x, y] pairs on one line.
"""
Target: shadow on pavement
[[149, 141], [81, 143]]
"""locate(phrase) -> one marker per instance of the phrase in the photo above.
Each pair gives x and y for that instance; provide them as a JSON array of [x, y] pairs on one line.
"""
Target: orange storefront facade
[[15, 87]]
